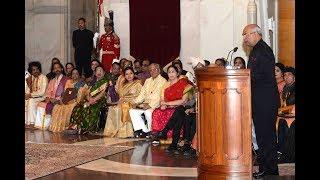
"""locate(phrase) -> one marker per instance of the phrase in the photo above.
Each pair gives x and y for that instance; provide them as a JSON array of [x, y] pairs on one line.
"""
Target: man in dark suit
[[82, 40], [265, 99]]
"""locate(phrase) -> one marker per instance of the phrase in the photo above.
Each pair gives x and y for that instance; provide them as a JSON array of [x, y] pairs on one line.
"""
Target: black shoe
[[160, 135], [259, 175], [176, 152], [142, 135], [185, 147], [190, 152], [137, 133], [171, 148], [280, 157], [148, 135]]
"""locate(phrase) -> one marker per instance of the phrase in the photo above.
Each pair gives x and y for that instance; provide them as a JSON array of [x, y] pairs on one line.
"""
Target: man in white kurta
[[35, 87], [148, 99]]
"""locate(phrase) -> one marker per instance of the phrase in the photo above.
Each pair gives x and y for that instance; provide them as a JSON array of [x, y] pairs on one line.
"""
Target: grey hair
[[156, 65], [258, 30]]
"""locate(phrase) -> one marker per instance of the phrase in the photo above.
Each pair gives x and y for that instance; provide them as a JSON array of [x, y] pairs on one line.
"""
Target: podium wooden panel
[[224, 121]]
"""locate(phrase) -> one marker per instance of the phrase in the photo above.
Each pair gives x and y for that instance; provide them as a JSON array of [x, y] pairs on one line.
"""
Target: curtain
[[155, 30]]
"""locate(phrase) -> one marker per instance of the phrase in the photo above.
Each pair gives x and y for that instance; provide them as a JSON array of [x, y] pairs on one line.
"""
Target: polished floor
[[145, 162]]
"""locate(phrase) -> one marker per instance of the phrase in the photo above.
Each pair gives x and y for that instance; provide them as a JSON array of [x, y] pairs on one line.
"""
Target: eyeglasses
[[245, 34]]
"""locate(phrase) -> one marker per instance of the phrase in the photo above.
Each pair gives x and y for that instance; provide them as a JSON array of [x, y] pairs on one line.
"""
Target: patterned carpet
[[44, 159]]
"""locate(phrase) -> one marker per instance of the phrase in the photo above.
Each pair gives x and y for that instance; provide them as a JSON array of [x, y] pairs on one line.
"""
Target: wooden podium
[[224, 122]]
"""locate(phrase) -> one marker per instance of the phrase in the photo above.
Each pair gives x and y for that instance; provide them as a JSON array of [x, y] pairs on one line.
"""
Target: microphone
[[233, 51]]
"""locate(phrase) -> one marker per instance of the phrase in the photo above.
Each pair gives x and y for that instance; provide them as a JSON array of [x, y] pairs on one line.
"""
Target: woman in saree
[[85, 115], [118, 122], [175, 93], [61, 113], [121, 79]]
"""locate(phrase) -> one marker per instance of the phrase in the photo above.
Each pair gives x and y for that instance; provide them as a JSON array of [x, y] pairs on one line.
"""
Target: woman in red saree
[[174, 94]]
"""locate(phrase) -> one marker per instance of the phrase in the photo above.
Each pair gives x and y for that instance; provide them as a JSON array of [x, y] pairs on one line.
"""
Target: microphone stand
[[231, 57], [228, 57], [229, 66]]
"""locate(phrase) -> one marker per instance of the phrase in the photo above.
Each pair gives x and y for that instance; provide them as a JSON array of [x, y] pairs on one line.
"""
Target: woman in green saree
[[85, 115]]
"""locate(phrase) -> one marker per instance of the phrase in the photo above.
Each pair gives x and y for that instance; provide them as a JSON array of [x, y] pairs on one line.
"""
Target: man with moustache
[[36, 85], [52, 97]]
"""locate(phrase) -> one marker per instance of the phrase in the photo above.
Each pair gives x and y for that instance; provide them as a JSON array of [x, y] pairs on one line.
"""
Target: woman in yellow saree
[[118, 123], [61, 113]]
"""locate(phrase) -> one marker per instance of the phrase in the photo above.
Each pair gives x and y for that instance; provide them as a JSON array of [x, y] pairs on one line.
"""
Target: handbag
[[69, 95]]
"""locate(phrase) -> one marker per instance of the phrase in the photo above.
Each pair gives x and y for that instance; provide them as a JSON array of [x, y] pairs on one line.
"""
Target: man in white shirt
[[35, 87], [147, 101]]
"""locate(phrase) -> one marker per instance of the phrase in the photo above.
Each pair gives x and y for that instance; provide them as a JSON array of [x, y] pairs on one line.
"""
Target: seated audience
[[279, 69], [95, 63], [89, 77], [286, 138], [69, 67], [111, 95], [36, 85], [137, 67], [147, 101], [239, 62], [190, 129], [220, 62], [286, 122], [184, 115], [207, 63], [190, 121], [52, 96], [113, 76], [174, 94], [182, 72], [121, 62], [61, 113], [51, 74], [145, 63], [197, 63], [125, 63], [85, 115], [118, 123], [144, 73], [288, 93]]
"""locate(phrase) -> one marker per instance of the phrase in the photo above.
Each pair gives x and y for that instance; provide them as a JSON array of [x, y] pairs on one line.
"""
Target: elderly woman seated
[[85, 115]]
